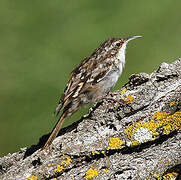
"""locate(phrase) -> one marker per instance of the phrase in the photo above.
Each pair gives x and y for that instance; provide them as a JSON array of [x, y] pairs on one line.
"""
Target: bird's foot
[[120, 101]]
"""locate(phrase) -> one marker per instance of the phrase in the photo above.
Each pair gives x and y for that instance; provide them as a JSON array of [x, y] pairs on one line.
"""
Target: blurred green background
[[41, 41]]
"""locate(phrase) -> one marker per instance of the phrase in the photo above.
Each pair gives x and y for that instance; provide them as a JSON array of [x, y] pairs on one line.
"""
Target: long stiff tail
[[55, 131]]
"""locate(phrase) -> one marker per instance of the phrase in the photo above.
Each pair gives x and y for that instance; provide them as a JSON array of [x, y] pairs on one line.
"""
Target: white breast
[[121, 57]]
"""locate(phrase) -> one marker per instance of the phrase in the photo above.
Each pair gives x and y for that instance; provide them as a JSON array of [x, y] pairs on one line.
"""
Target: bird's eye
[[118, 44]]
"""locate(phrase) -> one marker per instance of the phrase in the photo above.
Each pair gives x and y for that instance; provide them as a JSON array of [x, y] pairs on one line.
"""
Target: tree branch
[[132, 134]]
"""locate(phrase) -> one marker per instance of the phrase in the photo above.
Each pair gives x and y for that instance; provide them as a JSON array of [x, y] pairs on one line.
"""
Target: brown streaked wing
[[88, 71], [99, 73], [92, 76]]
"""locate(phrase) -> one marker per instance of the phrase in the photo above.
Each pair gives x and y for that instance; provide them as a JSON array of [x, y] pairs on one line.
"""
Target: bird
[[91, 80]]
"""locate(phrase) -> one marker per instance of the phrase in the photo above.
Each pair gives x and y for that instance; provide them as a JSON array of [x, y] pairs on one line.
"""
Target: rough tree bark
[[133, 134]]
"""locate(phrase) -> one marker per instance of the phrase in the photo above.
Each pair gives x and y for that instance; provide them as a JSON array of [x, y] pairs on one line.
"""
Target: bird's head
[[116, 47]]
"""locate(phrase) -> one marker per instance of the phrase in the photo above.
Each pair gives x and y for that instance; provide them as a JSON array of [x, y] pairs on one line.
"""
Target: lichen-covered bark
[[134, 133]]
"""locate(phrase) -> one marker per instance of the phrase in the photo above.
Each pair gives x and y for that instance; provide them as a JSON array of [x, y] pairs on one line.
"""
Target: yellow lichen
[[67, 161], [51, 164], [170, 176], [91, 173], [95, 152], [129, 99], [103, 152], [167, 160], [59, 168], [159, 115], [157, 176], [32, 178], [115, 143], [106, 170], [130, 131], [135, 143], [161, 122], [123, 91], [47, 175], [172, 103]]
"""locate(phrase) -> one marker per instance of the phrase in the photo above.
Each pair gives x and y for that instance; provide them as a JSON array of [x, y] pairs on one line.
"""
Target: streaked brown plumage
[[92, 79]]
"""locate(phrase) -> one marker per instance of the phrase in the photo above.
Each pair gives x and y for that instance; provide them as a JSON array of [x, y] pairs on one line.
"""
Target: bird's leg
[[120, 101], [110, 94]]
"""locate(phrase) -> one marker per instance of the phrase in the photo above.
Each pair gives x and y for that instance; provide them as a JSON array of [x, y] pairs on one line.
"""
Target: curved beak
[[131, 38]]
